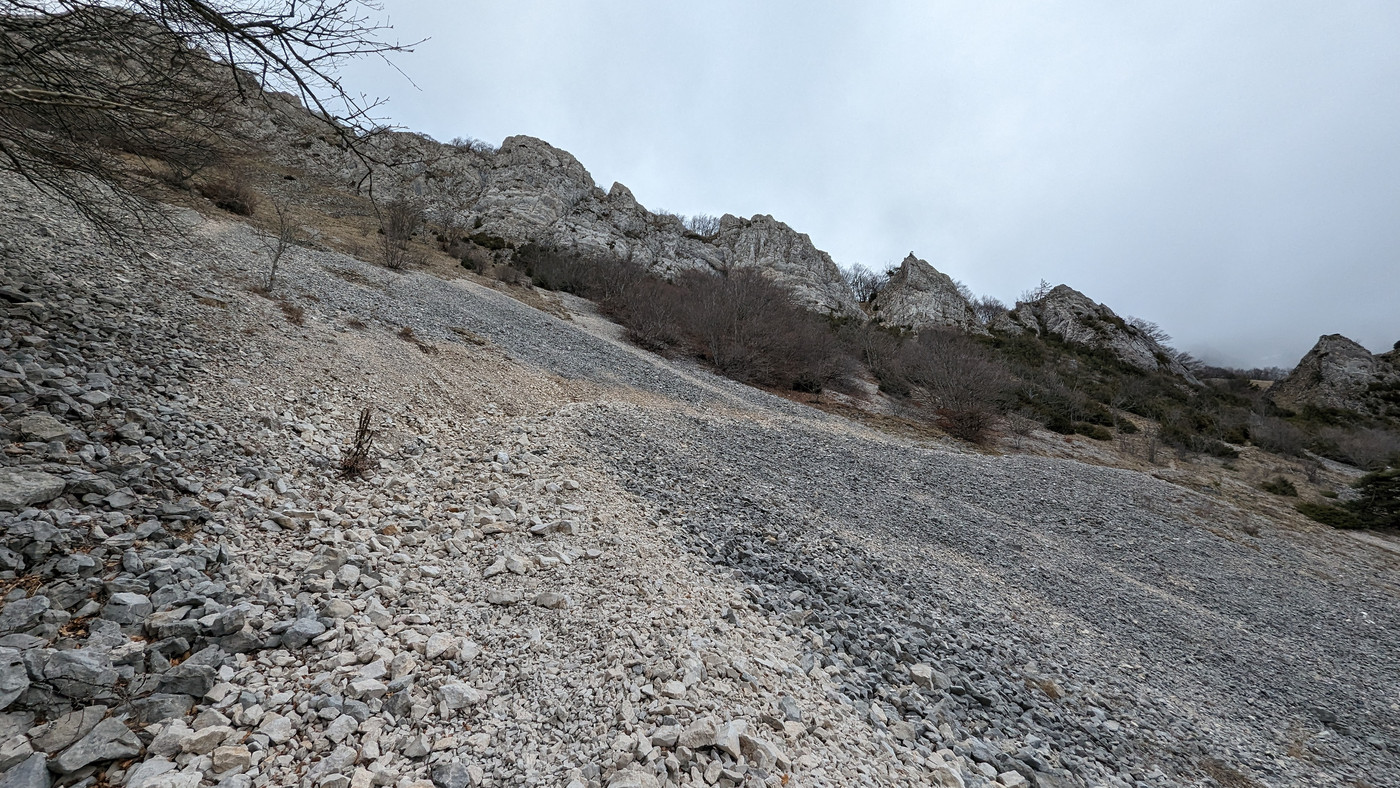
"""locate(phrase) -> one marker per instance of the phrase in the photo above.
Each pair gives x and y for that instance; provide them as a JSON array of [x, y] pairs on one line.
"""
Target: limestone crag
[[529, 190], [1078, 319], [919, 296], [1339, 373]]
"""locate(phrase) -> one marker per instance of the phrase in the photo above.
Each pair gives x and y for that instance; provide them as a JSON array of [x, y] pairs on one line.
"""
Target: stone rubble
[[525, 589], [193, 596]]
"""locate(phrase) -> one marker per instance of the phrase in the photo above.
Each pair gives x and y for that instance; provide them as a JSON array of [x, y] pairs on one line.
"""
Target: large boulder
[[919, 296], [21, 487], [1341, 374], [1078, 320]]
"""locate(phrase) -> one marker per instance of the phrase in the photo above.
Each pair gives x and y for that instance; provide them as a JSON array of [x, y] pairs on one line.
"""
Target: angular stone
[[440, 645], [13, 750], [277, 728], [146, 773], [452, 774], [14, 678], [128, 608], [162, 706], [80, 673], [62, 731], [22, 614], [498, 596], [634, 776], [234, 757], [700, 733], [301, 632], [110, 740], [341, 728], [552, 600], [366, 688], [20, 488], [459, 696], [33, 772], [41, 427], [188, 678], [203, 742]]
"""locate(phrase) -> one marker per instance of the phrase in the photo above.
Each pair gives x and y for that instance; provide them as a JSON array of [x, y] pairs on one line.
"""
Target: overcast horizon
[[1227, 171]]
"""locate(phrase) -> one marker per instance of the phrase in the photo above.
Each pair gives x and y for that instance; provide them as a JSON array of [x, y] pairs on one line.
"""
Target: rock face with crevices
[[1338, 373], [530, 191], [919, 296], [1077, 319]]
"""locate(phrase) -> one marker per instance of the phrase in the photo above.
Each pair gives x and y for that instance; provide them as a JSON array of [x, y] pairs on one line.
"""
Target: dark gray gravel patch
[[1180, 639]]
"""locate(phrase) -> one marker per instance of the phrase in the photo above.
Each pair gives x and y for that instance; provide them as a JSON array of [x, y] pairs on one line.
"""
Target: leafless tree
[[988, 309], [85, 85], [703, 225], [966, 384], [1150, 330], [864, 283], [398, 221], [965, 291], [277, 242], [1036, 293]]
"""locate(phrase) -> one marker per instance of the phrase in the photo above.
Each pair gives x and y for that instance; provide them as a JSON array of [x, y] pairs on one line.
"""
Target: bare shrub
[[965, 382], [399, 220], [358, 458], [276, 244], [1036, 293], [1368, 448], [474, 145], [988, 309], [1275, 435], [653, 313], [234, 196], [295, 315], [703, 225], [407, 334], [1150, 330], [1312, 469], [864, 283]]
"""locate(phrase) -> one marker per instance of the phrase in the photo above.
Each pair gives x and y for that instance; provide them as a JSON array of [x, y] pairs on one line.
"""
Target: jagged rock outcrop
[[1339, 373], [529, 190], [919, 296], [1078, 319]]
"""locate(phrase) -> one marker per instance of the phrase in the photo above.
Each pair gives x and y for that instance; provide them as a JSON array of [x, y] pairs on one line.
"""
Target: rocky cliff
[[1078, 319], [529, 190], [919, 296], [1339, 373]]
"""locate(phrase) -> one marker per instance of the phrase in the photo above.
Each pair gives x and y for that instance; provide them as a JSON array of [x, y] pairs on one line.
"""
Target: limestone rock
[[1339, 373], [633, 777], [30, 773], [918, 296], [788, 258], [41, 427], [110, 740], [14, 679], [1077, 319], [20, 488]]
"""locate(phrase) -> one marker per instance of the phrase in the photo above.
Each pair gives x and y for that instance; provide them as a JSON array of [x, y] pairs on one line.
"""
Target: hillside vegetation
[[351, 459]]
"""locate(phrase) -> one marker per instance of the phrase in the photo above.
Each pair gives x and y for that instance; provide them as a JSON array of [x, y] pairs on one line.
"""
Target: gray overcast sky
[[1228, 170]]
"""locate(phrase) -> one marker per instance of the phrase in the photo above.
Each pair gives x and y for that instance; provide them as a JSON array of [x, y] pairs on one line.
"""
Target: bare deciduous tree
[[84, 84], [864, 283], [277, 242], [398, 221], [1150, 330], [988, 309], [1036, 293], [703, 225]]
